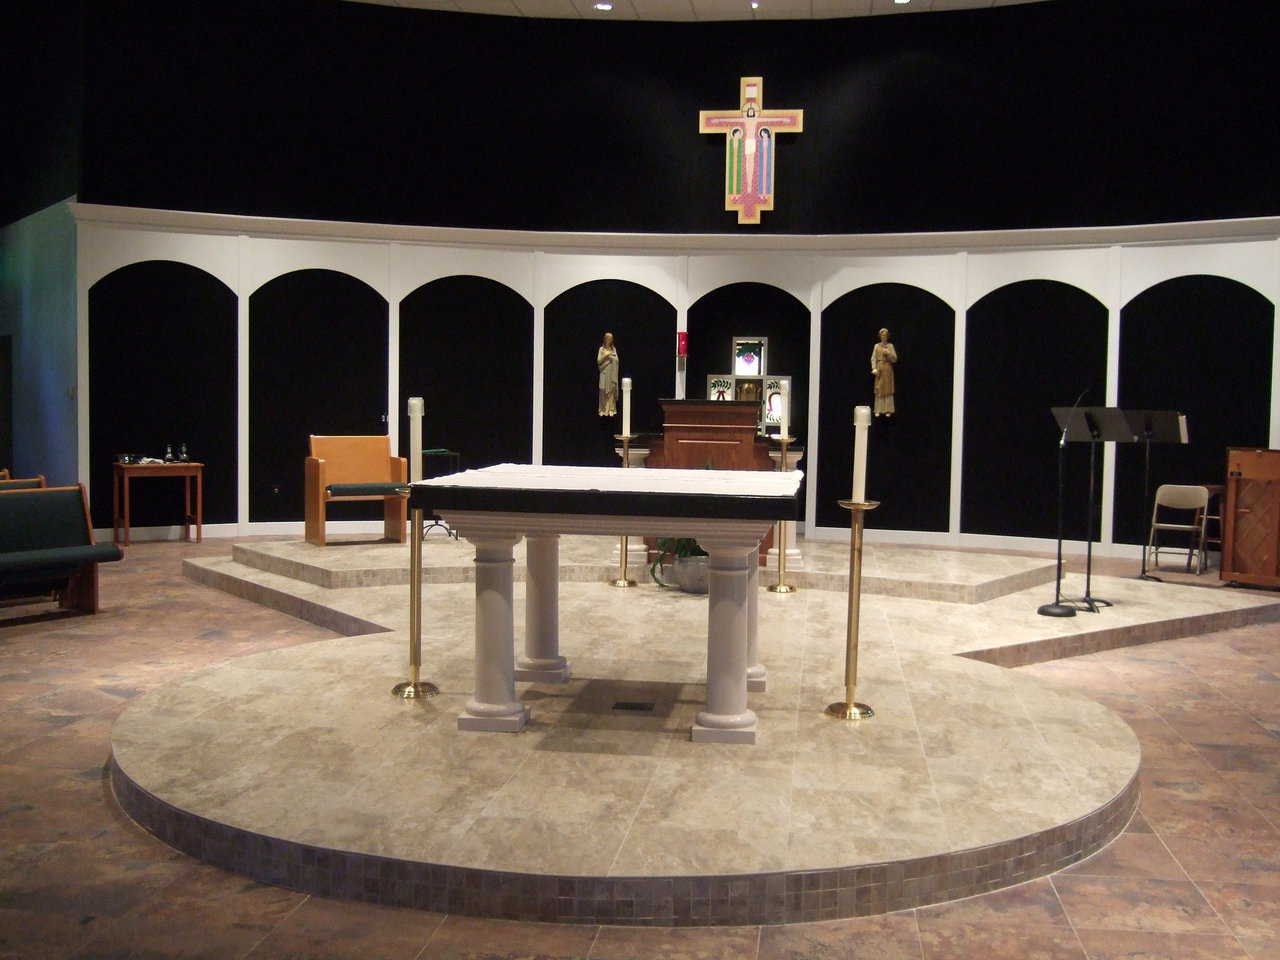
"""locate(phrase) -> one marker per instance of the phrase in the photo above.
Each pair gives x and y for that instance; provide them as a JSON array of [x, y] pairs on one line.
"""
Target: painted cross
[[750, 134]]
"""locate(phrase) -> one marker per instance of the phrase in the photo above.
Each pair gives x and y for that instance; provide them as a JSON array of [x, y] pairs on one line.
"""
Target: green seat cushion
[[55, 561], [368, 489]]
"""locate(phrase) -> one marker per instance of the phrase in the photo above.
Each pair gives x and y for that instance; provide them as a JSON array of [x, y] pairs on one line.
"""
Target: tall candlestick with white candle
[[786, 411], [626, 406], [415, 438], [861, 424]]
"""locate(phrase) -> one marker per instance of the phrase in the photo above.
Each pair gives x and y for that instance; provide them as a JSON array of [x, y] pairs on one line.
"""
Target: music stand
[[1154, 426], [1093, 425]]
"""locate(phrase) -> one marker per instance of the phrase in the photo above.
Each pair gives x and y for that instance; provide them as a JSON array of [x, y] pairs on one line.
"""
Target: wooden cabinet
[[1251, 517]]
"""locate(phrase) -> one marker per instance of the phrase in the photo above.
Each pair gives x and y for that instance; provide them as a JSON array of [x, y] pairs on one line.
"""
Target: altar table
[[727, 511]]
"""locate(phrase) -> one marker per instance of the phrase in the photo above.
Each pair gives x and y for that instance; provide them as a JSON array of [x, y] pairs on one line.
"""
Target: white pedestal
[[757, 675], [795, 559], [727, 718], [494, 706], [638, 455], [542, 662]]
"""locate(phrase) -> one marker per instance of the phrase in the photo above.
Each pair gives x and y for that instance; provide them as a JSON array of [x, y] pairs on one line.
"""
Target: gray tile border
[[765, 898]]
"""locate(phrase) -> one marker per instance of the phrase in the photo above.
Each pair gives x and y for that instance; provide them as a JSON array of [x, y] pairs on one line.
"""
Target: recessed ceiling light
[[604, 6], [755, 4], [902, 3]]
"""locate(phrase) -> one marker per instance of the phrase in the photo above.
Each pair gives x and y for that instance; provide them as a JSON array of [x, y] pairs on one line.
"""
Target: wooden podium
[[714, 434], [1251, 518]]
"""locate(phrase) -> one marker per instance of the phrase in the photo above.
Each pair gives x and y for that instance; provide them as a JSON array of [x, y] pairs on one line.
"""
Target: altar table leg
[[494, 706], [542, 661], [727, 718], [757, 675]]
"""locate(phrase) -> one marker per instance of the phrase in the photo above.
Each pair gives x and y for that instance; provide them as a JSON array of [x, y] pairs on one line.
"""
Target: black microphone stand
[[1146, 492], [1058, 608]]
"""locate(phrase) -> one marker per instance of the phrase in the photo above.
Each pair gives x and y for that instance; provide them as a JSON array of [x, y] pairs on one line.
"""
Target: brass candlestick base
[[849, 708], [622, 579], [780, 538], [414, 688], [846, 711]]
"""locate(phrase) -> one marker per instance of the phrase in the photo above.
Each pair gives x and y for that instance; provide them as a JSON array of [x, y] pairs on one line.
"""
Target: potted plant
[[688, 562]]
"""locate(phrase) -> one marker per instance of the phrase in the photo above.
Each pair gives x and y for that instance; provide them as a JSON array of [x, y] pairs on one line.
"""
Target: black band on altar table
[[718, 494]]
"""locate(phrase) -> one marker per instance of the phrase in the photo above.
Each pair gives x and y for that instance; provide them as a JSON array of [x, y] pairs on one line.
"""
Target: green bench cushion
[[56, 561], [368, 489]]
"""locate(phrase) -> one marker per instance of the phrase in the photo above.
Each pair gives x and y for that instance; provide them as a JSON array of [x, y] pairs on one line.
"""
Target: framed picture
[[750, 356], [719, 388], [773, 399]]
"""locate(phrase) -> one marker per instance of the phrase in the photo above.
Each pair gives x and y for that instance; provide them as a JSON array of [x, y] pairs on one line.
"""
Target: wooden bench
[[355, 468], [20, 483], [46, 546]]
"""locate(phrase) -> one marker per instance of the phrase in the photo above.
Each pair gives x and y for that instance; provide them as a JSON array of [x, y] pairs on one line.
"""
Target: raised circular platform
[[297, 767]]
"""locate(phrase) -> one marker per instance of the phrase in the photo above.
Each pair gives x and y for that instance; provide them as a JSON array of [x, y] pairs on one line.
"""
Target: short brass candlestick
[[414, 688], [849, 708], [623, 580], [782, 586]]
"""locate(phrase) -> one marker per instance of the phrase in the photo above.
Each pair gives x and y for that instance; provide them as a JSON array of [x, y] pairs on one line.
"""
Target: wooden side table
[[124, 472]]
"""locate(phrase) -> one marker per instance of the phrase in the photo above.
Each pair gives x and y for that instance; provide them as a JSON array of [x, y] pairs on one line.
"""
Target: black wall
[[909, 454], [42, 76], [643, 325], [1201, 345], [1029, 346], [1070, 112], [752, 310], [466, 348], [317, 364], [162, 369]]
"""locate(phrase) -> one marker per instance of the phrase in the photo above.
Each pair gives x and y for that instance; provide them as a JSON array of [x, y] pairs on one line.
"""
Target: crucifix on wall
[[750, 134]]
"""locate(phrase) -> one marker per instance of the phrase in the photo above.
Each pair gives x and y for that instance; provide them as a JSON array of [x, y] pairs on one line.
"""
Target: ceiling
[[695, 10]]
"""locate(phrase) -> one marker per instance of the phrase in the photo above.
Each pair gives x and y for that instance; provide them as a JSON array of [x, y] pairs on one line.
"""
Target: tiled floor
[[1196, 876]]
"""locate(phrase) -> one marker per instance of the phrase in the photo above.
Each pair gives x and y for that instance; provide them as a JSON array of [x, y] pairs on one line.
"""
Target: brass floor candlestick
[[849, 708], [782, 586], [623, 580], [414, 688]]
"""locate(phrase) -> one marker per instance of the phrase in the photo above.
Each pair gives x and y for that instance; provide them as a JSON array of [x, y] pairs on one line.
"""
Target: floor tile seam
[[591, 947], [261, 940], [1067, 914], [631, 823], [924, 754], [440, 921]]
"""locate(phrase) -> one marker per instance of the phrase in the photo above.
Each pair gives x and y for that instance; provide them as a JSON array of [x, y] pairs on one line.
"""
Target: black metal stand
[[1058, 608], [1089, 600], [1146, 499]]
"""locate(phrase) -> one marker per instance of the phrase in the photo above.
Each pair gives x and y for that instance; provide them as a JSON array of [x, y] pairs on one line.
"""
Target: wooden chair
[[355, 468]]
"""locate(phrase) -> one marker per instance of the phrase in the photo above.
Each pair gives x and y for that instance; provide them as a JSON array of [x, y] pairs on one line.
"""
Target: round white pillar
[[494, 706], [542, 661], [727, 718], [757, 675]]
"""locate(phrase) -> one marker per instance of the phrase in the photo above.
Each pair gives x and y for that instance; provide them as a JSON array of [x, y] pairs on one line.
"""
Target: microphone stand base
[[1056, 610]]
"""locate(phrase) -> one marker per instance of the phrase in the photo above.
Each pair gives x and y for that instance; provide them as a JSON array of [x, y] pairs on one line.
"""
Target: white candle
[[786, 412], [861, 424], [415, 438], [626, 406]]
